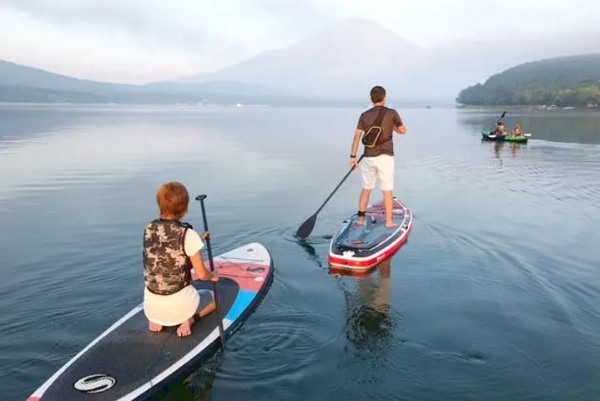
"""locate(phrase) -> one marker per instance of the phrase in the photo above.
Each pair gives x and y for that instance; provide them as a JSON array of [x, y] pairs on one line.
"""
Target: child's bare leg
[[185, 328], [208, 309], [154, 327]]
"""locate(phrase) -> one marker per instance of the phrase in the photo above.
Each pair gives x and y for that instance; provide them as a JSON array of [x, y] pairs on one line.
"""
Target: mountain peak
[[360, 24], [352, 53], [360, 32]]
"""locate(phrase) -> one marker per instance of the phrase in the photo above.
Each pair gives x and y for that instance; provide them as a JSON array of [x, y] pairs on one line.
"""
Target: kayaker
[[499, 130], [171, 249], [378, 161], [516, 131]]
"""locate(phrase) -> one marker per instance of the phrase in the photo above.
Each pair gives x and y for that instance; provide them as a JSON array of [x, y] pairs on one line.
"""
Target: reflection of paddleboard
[[128, 361], [358, 248]]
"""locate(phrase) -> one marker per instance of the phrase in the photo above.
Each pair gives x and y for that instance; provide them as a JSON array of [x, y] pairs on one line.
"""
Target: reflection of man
[[377, 296], [368, 321]]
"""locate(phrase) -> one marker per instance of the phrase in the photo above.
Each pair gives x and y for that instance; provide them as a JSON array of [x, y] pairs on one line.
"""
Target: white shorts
[[382, 167]]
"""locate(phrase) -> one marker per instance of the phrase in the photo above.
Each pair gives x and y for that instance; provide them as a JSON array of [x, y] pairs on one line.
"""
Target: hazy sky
[[148, 40]]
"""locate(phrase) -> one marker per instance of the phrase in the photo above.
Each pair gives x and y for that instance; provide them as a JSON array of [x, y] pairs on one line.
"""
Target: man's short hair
[[377, 94]]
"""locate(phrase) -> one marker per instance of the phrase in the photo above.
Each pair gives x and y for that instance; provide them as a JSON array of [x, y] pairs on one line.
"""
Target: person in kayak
[[171, 249], [500, 130], [378, 161], [516, 131]]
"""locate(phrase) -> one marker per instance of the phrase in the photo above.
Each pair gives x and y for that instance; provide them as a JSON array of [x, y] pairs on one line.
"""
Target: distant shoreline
[[528, 107]]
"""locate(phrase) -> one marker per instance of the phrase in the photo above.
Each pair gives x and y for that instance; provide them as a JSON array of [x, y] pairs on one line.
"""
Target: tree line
[[566, 81]]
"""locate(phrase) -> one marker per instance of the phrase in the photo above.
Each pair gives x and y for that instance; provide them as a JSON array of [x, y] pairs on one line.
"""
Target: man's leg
[[387, 168], [388, 203], [369, 177], [363, 202]]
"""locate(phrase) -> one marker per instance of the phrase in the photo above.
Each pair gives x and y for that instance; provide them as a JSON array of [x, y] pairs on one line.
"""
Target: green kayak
[[486, 136]]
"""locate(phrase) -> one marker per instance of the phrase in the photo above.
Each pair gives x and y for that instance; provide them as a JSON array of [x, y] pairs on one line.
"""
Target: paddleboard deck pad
[[360, 247], [128, 362]]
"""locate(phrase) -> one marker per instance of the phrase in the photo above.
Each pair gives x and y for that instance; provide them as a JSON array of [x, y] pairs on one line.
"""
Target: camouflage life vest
[[166, 266]]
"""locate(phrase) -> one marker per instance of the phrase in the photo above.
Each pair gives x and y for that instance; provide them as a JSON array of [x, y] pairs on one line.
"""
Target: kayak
[[128, 362], [357, 249], [485, 134]]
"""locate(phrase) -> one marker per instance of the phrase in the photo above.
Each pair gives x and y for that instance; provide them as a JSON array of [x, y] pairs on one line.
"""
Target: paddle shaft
[[212, 269], [338, 185], [306, 228]]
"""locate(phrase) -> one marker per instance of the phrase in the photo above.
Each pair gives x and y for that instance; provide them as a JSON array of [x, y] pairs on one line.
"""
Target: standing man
[[378, 161]]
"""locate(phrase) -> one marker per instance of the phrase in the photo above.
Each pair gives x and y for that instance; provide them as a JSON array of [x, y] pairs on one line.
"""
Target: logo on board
[[97, 383]]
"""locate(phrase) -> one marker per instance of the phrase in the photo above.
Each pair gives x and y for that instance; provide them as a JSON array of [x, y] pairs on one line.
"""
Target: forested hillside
[[564, 81]]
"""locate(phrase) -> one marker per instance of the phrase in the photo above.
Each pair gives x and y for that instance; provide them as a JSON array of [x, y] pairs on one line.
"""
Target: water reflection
[[513, 147], [498, 146], [197, 386], [369, 324], [310, 250]]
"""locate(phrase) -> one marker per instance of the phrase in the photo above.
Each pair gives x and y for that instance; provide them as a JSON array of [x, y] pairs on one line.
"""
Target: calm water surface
[[496, 295]]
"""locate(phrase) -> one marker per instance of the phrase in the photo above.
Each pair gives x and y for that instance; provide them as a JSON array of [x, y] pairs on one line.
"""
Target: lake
[[496, 295]]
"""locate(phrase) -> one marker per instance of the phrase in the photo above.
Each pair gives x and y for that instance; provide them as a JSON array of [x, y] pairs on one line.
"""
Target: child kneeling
[[171, 250]]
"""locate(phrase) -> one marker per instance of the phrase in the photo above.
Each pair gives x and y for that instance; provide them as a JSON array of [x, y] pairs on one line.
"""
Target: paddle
[[212, 269], [500, 119], [306, 228]]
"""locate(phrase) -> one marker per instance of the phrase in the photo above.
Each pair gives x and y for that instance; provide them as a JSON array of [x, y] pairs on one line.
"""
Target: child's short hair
[[172, 199]]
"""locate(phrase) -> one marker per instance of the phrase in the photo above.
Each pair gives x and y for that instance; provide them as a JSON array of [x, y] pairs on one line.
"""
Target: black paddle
[[212, 269], [500, 119], [306, 228]]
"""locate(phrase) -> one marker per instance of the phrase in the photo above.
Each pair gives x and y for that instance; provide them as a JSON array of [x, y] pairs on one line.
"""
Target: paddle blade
[[306, 228], [527, 135]]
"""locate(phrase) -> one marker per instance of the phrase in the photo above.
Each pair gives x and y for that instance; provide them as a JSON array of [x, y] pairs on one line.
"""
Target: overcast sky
[[138, 41]]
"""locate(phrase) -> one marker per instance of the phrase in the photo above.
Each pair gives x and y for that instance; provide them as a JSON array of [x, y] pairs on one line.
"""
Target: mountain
[[344, 60], [564, 81], [19, 75], [20, 83], [335, 66]]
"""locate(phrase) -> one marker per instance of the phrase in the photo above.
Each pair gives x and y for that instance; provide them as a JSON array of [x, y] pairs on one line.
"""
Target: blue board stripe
[[241, 303]]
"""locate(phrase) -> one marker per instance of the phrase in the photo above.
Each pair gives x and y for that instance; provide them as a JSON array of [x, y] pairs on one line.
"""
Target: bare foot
[[185, 328], [154, 327], [359, 222], [390, 224], [208, 309]]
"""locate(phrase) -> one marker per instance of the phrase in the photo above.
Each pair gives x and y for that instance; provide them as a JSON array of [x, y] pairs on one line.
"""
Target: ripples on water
[[495, 295]]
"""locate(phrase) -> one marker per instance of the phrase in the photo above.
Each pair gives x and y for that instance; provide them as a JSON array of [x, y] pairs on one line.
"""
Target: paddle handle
[[212, 269]]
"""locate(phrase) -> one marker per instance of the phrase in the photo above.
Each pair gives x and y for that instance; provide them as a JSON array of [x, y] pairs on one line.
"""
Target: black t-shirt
[[391, 119]]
